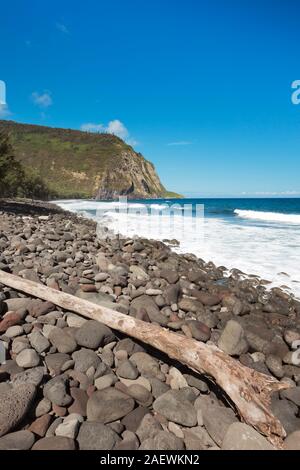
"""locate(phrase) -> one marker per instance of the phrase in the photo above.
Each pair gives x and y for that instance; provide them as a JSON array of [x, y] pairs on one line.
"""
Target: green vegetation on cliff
[[15, 180], [85, 165]]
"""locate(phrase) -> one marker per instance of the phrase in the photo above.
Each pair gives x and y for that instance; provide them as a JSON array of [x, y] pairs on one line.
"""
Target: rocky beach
[[72, 383]]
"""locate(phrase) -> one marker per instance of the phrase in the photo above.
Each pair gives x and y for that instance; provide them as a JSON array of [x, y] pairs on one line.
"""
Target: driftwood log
[[248, 389]]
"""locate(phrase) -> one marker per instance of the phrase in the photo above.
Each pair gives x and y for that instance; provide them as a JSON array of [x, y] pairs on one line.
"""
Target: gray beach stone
[[173, 407], [14, 405], [93, 334], [19, 440], [96, 436], [240, 436], [62, 340], [28, 358], [232, 340], [108, 405]]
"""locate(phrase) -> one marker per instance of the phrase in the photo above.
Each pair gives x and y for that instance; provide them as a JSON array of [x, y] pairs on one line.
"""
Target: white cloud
[[43, 100], [4, 111], [180, 142], [114, 127], [62, 28]]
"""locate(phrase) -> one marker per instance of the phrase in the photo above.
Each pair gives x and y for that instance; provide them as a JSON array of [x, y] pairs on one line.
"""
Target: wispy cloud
[[180, 142], [42, 100], [115, 127], [62, 28]]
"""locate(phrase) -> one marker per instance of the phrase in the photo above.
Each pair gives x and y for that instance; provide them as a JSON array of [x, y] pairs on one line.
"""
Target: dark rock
[[93, 334], [232, 340], [127, 370], [56, 391], [55, 443], [62, 340], [217, 420], [173, 407], [147, 303], [55, 361], [80, 401], [286, 411], [84, 359], [134, 418], [108, 405], [96, 436], [169, 275], [19, 440], [199, 330]]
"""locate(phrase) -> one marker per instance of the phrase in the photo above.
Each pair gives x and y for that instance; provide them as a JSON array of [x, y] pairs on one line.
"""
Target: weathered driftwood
[[248, 389]]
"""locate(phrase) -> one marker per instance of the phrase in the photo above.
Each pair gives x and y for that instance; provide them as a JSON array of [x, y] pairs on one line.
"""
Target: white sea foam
[[265, 250], [269, 216]]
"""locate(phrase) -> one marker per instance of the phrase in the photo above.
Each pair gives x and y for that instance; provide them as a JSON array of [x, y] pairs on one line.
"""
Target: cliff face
[[132, 176], [84, 165]]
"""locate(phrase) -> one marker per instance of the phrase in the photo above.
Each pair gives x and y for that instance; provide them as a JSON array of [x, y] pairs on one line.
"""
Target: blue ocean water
[[258, 236]]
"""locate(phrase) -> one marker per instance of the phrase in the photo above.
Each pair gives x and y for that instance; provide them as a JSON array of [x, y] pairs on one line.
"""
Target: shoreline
[[282, 279], [146, 279]]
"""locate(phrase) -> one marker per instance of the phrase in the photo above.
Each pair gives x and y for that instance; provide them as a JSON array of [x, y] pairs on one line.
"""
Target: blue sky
[[201, 88]]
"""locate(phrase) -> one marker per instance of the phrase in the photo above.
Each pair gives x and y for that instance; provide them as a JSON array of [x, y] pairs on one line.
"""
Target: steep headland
[[82, 164]]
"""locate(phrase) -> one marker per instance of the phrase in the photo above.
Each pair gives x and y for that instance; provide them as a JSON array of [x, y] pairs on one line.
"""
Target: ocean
[[260, 237]]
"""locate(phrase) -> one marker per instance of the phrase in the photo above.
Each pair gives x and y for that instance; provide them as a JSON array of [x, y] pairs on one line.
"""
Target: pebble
[[43, 407], [19, 440], [173, 407], [14, 331], [56, 391], [176, 379], [93, 334], [96, 436], [108, 405], [232, 340], [127, 370], [105, 381], [28, 358], [62, 340], [38, 341], [70, 426], [55, 443]]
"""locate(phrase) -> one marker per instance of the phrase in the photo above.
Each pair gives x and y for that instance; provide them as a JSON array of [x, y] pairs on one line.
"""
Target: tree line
[[15, 180]]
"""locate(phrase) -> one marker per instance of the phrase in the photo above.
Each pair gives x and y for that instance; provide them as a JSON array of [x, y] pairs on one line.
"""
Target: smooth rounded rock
[[108, 405], [62, 340], [96, 436], [28, 358], [19, 440], [93, 334], [173, 407], [55, 443]]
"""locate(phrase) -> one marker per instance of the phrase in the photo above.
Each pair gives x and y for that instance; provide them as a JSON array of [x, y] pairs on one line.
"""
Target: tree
[[15, 181], [11, 171]]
